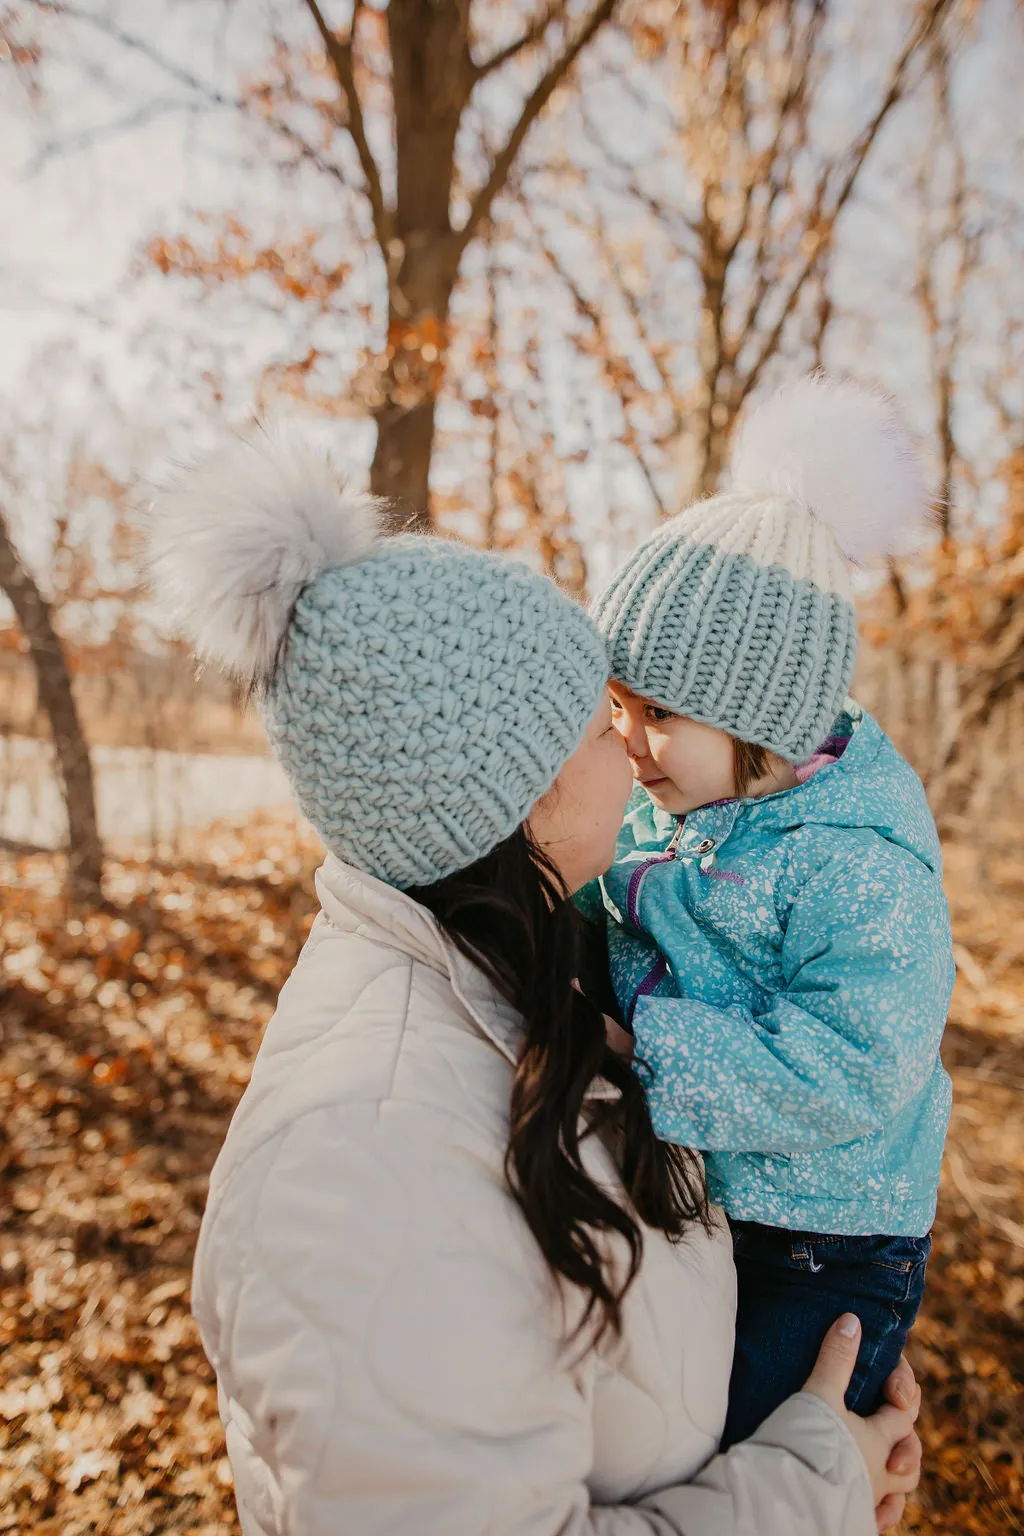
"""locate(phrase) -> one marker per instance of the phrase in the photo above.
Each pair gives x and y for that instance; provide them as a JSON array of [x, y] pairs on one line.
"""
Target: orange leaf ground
[[126, 1041]]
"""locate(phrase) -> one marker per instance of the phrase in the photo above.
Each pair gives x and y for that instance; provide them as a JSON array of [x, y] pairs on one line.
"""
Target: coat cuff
[[807, 1427]]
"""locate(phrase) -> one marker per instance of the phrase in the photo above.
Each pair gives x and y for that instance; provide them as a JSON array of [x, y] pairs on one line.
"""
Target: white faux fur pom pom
[[842, 451], [235, 540]]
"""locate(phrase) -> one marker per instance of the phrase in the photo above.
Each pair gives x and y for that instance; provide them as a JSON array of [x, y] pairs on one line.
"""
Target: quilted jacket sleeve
[[385, 1342], [800, 1474], [851, 1038]]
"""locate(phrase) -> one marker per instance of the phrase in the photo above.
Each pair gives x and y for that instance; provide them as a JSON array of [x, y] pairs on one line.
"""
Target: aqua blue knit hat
[[739, 612], [420, 695]]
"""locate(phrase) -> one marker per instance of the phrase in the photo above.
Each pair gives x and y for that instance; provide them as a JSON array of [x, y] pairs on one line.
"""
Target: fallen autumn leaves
[[126, 1041]]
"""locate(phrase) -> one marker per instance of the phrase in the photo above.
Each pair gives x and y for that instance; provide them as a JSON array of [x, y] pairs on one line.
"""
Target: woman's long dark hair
[[509, 913]]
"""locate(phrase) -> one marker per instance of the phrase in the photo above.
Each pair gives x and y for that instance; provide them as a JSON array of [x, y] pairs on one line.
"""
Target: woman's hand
[[887, 1440], [618, 1038]]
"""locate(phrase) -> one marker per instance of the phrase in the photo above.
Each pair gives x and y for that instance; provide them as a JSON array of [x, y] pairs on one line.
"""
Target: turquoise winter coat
[[786, 966]]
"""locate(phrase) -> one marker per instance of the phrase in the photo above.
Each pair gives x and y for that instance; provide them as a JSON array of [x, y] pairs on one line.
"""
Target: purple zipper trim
[[636, 880], [646, 987]]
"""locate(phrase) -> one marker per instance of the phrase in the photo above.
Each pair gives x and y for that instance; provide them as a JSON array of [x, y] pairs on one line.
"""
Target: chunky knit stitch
[[420, 695], [424, 699]]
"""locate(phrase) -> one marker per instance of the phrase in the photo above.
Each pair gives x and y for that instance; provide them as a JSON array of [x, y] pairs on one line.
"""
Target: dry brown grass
[[968, 1346], [126, 1043], [141, 701]]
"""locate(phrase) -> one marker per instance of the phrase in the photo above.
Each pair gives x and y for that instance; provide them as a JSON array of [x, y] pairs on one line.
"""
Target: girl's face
[[681, 763], [577, 821]]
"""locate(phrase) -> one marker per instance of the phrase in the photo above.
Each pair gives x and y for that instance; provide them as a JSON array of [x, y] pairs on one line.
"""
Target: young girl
[[778, 937]]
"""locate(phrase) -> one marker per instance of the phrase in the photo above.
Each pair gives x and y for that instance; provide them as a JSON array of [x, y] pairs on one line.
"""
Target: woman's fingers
[[836, 1360], [902, 1389], [890, 1511]]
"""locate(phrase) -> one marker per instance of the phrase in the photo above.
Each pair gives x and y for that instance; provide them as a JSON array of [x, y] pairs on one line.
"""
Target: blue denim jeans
[[791, 1288]]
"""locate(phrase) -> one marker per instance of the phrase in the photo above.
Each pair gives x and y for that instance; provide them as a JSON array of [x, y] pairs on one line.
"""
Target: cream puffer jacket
[[387, 1339]]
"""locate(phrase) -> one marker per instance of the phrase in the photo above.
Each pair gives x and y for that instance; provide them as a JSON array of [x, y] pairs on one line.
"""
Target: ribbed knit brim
[[737, 613], [425, 698]]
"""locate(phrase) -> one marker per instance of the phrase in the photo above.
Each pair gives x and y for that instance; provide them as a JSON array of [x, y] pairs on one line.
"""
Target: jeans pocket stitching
[[911, 1275]]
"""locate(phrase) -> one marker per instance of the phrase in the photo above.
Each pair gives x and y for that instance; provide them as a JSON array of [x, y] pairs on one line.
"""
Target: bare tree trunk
[[85, 852], [898, 587], [400, 471], [713, 420], [944, 319], [433, 75], [947, 446], [494, 454]]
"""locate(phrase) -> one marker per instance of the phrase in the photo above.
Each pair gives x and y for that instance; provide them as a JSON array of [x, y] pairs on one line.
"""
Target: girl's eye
[[655, 712]]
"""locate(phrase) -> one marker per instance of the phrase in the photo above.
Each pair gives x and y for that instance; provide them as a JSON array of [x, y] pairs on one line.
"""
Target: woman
[[448, 1279]]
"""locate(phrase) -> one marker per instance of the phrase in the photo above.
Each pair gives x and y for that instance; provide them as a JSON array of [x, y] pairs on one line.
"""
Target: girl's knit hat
[[739, 611], [420, 695]]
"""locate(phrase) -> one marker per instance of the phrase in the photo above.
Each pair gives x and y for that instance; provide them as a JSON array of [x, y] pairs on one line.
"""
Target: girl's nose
[[633, 734]]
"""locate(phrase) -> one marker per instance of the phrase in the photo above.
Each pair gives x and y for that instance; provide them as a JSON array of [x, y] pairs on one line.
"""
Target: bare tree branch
[[86, 138], [929, 20], [340, 54], [137, 45], [944, 329], [533, 34], [532, 108], [666, 216], [780, 159], [610, 360], [177, 72], [629, 300], [493, 381], [932, 15]]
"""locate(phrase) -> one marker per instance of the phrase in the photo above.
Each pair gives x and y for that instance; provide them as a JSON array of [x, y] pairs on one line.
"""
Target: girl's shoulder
[[869, 792]]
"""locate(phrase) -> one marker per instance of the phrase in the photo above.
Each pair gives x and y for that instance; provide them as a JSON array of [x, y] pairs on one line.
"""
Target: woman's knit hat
[[420, 695], [739, 612]]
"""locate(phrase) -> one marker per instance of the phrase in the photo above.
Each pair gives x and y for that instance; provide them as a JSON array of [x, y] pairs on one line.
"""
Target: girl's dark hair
[[749, 763], [510, 914]]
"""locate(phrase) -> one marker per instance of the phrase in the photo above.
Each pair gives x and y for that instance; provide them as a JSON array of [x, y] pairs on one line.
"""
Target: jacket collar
[[359, 903]]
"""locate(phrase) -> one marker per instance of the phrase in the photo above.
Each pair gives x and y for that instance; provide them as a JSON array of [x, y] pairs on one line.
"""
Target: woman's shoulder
[[362, 1023], [371, 1084]]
